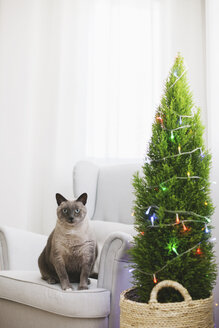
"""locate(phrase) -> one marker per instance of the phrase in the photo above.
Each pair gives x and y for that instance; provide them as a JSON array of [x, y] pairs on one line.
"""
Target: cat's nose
[[71, 219]]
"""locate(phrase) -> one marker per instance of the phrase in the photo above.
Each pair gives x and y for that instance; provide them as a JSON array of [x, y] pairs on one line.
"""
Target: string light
[[173, 224], [172, 245], [168, 262], [161, 185], [179, 128], [183, 213], [178, 78], [193, 110], [160, 120], [172, 156]]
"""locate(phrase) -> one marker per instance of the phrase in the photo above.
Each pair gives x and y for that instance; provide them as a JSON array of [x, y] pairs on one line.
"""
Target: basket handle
[[169, 283]]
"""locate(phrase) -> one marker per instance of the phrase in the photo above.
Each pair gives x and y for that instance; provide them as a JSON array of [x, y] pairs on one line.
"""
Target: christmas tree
[[173, 207]]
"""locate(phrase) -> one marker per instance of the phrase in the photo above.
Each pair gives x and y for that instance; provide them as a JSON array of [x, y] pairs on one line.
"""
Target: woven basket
[[186, 314]]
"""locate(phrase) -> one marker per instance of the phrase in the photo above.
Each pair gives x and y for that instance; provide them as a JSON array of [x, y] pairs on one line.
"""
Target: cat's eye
[[77, 211], [65, 210]]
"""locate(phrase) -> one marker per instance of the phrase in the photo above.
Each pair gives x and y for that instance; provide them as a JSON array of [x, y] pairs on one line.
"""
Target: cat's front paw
[[66, 286], [82, 287]]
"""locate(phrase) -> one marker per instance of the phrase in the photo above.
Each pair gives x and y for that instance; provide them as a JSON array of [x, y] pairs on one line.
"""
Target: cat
[[71, 249]]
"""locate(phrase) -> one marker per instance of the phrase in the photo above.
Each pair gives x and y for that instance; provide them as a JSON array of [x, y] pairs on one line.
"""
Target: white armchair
[[28, 301]]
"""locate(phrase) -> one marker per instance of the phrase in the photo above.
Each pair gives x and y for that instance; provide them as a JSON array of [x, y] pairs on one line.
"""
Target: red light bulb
[[198, 251], [154, 278]]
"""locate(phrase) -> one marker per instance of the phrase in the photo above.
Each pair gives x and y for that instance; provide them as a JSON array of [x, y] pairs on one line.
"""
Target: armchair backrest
[[109, 189]]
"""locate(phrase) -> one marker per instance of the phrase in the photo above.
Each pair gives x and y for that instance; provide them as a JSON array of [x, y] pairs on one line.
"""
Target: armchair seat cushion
[[27, 287]]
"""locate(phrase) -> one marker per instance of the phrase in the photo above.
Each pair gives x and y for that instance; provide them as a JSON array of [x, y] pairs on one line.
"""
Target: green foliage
[[169, 187]]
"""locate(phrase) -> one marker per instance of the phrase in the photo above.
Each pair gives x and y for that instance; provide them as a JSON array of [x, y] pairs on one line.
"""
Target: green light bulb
[[163, 188], [172, 136], [174, 250]]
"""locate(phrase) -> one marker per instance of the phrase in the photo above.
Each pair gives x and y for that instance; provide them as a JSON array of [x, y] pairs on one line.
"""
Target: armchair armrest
[[20, 249], [114, 272]]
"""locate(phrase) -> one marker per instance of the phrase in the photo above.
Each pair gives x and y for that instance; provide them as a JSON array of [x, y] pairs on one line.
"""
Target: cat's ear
[[82, 198], [60, 199]]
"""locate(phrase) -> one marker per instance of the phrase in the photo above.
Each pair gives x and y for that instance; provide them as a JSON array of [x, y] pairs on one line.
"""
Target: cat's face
[[73, 212]]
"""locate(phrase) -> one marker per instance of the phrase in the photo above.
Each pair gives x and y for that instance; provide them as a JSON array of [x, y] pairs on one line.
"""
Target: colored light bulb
[[154, 278], [142, 233], [163, 188], [175, 73], [179, 149], [172, 246], [177, 218], [206, 203], [152, 218], [202, 154], [180, 120], [172, 136], [188, 174], [158, 118], [185, 228], [198, 251], [174, 250], [148, 210], [206, 229]]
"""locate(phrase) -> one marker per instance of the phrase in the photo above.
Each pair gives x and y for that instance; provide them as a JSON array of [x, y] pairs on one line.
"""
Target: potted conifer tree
[[173, 210]]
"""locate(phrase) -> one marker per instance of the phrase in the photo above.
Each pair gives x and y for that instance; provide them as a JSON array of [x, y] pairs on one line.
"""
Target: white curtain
[[132, 45], [79, 79], [212, 55]]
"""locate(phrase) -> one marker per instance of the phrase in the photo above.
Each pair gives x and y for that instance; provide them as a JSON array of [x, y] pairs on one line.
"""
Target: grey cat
[[71, 249]]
